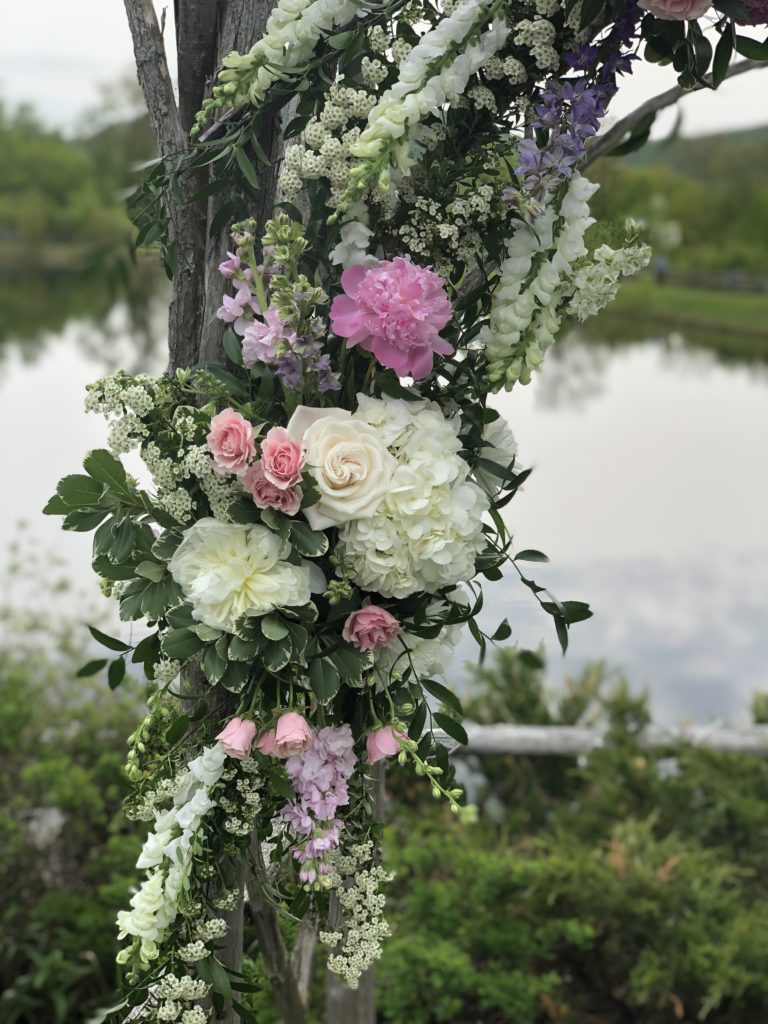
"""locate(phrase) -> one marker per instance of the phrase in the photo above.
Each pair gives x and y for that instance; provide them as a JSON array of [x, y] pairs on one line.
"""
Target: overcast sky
[[55, 53]]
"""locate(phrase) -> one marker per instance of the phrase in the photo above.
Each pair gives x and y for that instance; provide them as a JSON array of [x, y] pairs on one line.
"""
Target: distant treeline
[[704, 201]]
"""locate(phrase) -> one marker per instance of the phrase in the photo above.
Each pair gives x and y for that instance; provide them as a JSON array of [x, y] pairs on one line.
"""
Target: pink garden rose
[[384, 742], [676, 10], [231, 442], [282, 458], [370, 627], [395, 311], [237, 737], [292, 735], [266, 495]]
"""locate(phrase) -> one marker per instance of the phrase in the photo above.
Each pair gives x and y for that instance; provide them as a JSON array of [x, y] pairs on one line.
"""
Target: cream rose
[[348, 461]]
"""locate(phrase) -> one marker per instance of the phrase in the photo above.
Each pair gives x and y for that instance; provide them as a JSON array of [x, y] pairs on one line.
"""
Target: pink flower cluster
[[273, 481], [319, 776], [758, 12], [395, 311]]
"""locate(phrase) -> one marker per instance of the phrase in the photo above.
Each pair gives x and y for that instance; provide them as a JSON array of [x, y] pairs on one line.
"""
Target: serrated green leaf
[[110, 642], [56, 507], [83, 520], [106, 469], [165, 546], [79, 491], [452, 728]]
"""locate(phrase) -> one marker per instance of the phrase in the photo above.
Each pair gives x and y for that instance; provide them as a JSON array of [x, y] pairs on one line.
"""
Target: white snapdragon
[[597, 282], [427, 530], [167, 854]]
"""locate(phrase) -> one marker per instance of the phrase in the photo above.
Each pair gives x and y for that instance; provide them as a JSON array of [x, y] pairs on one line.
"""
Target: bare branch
[[610, 139], [154, 77]]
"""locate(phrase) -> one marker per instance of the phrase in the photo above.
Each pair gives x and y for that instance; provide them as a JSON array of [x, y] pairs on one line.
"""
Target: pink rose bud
[[293, 735], [237, 737], [266, 744], [231, 442], [384, 742], [370, 627], [282, 458], [676, 10]]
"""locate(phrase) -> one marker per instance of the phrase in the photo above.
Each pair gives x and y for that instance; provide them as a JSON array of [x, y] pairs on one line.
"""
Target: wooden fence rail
[[573, 740]]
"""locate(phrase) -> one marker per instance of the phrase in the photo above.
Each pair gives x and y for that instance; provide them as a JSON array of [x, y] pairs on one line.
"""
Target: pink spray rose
[[676, 10], [237, 737], [266, 495], [384, 742], [293, 735], [395, 311], [266, 744], [231, 442], [282, 458], [370, 627]]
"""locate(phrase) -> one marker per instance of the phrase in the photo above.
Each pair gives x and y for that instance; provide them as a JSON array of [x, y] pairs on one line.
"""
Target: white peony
[[349, 462], [427, 530], [227, 570]]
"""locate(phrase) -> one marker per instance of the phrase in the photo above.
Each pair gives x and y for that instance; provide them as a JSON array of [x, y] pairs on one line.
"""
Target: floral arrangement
[[318, 508]]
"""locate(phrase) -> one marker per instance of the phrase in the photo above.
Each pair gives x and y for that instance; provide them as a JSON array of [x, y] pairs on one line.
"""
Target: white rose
[[227, 570], [349, 462]]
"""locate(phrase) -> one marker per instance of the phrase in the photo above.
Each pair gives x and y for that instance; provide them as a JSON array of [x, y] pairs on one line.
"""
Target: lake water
[[649, 494]]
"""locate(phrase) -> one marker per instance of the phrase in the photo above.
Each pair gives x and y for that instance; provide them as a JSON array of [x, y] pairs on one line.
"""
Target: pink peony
[[676, 10], [395, 311], [260, 338], [293, 735], [231, 442], [370, 627], [237, 737], [282, 458], [266, 495], [384, 742]]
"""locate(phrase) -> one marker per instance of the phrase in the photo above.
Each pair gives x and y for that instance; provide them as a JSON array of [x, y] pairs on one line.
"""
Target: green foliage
[[66, 852]]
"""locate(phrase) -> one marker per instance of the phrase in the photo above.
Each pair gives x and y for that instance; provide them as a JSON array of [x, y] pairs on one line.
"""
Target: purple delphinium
[[570, 111], [319, 777]]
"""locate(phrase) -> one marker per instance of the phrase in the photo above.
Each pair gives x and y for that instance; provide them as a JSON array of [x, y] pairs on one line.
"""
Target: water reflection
[[649, 493]]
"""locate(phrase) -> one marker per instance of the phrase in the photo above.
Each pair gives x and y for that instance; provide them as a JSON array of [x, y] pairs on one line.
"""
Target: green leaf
[[180, 617], [79, 491], [106, 469], [308, 542], [130, 603], [273, 628], [56, 507], [214, 666], [340, 40], [165, 546], [156, 598], [83, 521], [177, 729], [110, 642], [277, 655], [233, 346], [116, 673], [503, 631], [351, 665], [530, 555], [206, 633], [91, 668], [751, 48], [236, 676], [589, 11], [244, 650], [723, 54], [416, 728], [181, 644], [244, 511], [151, 571], [147, 650], [453, 728], [123, 540], [324, 679], [443, 694]]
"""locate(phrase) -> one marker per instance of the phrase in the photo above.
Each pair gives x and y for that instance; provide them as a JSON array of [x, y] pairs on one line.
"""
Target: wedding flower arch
[[402, 182]]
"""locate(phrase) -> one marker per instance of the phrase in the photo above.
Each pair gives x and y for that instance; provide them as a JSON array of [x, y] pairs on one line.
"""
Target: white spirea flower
[[427, 530], [227, 570]]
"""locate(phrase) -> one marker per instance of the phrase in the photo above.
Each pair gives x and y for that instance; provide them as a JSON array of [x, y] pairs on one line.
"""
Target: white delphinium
[[427, 531], [357, 882]]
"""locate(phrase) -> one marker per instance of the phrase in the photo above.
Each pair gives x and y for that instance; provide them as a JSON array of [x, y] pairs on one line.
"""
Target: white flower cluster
[[455, 230], [417, 93], [597, 283], [428, 657], [510, 68], [427, 530], [534, 281], [500, 447], [122, 400], [538, 36], [243, 809], [167, 855], [220, 491], [358, 883]]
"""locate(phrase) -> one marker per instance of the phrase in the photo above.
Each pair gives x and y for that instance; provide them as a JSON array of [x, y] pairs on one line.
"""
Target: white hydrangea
[[500, 447], [427, 530]]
